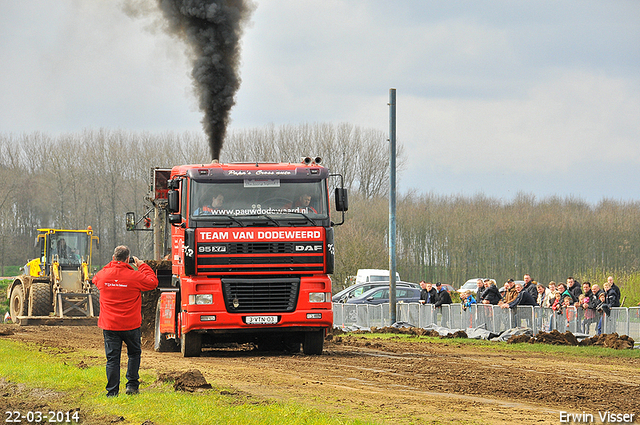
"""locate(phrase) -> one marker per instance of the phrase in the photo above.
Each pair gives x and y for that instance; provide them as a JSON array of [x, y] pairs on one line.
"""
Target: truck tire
[[313, 342], [18, 305], [161, 344], [191, 344], [40, 299], [95, 299]]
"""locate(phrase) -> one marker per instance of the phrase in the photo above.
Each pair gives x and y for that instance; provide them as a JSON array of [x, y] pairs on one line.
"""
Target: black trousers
[[113, 348]]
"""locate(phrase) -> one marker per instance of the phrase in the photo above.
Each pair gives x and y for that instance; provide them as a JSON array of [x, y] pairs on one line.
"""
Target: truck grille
[[264, 257], [261, 247], [260, 295]]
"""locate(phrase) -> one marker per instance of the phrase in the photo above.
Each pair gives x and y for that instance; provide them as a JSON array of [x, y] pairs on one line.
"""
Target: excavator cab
[[67, 258]]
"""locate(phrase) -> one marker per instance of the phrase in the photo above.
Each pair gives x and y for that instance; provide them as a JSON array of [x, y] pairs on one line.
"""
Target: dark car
[[360, 288], [405, 294]]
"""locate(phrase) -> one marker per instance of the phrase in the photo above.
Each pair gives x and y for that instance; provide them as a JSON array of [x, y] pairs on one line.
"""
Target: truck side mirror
[[130, 221], [173, 198], [341, 199]]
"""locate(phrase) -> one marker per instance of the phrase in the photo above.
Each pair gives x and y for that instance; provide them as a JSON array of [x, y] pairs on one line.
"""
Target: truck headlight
[[201, 299], [319, 297]]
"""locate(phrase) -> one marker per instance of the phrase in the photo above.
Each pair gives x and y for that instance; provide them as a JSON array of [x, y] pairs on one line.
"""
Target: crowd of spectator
[[563, 299]]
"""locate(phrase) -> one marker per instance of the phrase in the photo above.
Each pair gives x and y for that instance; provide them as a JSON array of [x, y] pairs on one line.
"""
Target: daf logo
[[308, 248]]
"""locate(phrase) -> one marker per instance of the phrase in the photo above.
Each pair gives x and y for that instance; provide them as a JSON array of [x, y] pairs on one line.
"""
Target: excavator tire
[[40, 299], [18, 304]]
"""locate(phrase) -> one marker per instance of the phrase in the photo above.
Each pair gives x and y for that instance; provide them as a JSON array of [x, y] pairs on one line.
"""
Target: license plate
[[261, 320]]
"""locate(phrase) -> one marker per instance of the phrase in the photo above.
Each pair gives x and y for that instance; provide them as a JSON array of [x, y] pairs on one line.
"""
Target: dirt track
[[398, 382]]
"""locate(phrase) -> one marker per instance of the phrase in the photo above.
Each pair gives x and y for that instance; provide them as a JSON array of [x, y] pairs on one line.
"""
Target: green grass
[[53, 369], [11, 271], [4, 302]]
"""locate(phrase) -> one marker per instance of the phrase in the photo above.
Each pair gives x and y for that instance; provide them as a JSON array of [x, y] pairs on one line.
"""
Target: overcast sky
[[493, 97]]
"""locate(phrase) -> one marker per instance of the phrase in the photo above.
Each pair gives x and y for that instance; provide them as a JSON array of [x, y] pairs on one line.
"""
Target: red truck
[[251, 253]]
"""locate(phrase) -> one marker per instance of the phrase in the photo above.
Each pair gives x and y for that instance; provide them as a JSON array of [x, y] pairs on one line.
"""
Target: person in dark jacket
[[427, 293], [442, 296], [588, 305], [480, 289], [616, 290], [574, 289], [491, 295], [595, 288], [562, 288], [530, 286], [523, 298]]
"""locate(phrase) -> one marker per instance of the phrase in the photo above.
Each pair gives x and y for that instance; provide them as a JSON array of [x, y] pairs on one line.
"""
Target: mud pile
[[190, 381], [556, 338], [614, 341]]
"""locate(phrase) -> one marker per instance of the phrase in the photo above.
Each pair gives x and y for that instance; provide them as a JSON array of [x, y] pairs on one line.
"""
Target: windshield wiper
[[265, 216], [303, 215], [209, 217]]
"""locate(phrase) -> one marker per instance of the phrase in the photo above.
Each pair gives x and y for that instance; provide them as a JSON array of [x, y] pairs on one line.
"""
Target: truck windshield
[[69, 247], [284, 198]]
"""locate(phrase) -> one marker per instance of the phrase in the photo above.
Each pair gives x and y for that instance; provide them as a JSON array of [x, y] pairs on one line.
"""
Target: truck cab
[[251, 251]]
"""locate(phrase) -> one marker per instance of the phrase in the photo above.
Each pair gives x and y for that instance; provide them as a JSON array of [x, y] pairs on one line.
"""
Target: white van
[[374, 275]]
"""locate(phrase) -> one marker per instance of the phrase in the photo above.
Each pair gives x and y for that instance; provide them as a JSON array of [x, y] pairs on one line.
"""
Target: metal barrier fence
[[622, 320]]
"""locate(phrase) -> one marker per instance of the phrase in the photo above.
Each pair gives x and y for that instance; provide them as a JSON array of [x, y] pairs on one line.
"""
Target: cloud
[[571, 118]]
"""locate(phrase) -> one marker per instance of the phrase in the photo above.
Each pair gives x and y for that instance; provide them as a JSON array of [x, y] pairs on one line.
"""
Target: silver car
[[358, 289]]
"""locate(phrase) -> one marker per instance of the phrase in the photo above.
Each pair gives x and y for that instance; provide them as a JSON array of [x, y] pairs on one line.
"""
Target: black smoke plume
[[212, 28]]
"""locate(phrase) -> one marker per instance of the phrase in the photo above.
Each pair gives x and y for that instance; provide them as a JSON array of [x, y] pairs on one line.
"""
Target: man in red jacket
[[121, 287]]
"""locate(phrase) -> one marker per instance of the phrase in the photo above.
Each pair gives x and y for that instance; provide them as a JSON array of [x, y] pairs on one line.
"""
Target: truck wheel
[[40, 299], [18, 306], [191, 344], [161, 344], [95, 299], [313, 342]]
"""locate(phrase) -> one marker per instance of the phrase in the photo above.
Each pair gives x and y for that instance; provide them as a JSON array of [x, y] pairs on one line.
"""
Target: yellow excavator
[[57, 285]]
